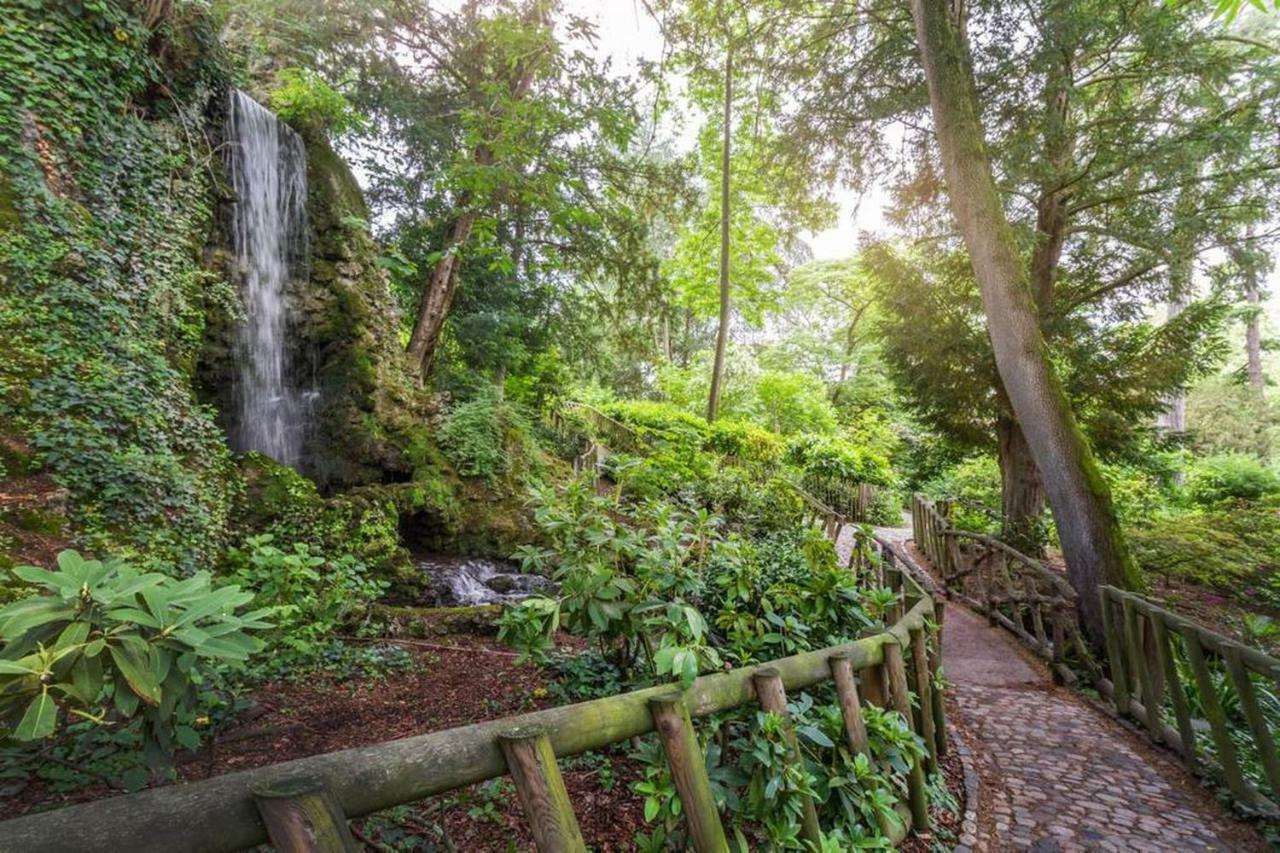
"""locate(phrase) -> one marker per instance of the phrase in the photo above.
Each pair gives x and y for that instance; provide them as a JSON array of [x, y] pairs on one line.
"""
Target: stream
[[461, 581]]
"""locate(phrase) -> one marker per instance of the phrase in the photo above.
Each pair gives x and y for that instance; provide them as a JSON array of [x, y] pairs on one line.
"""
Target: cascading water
[[267, 164]]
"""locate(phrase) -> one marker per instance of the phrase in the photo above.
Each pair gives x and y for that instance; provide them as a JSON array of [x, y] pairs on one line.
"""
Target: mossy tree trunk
[[1080, 498]]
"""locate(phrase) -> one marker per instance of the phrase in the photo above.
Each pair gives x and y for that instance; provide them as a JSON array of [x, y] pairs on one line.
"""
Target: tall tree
[[1079, 495], [722, 330]]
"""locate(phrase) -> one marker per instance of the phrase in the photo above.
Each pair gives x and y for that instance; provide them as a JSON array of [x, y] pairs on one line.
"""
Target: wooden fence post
[[855, 729], [689, 772], [916, 792], [1216, 716], [532, 764], [1181, 712], [1119, 673], [1263, 739], [773, 697], [302, 816], [935, 665], [924, 694]]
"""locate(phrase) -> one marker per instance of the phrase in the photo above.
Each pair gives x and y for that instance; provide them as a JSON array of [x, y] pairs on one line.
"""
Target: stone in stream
[[457, 580]]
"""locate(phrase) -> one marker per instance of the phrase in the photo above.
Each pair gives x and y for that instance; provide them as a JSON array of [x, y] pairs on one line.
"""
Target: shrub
[[109, 642], [1229, 477], [304, 99], [1225, 549], [974, 485], [829, 456], [663, 422], [793, 403], [487, 436], [746, 442], [308, 595]]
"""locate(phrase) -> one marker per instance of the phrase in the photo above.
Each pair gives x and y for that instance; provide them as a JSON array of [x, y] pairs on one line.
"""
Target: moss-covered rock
[[435, 621]]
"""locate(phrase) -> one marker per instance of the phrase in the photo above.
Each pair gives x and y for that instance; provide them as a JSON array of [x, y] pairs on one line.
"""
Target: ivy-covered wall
[[105, 207], [116, 305]]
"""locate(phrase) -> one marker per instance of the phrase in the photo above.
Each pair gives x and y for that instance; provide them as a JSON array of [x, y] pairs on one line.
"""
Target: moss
[[429, 621]]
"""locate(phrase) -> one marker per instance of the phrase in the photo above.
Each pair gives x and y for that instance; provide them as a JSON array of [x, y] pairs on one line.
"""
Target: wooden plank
[[1263, 741], [917, 794], [1225, 749], [773, 697], [875, 688], [855, 728], [532, 763], [689, 772], [1177, 695], [301, 815]]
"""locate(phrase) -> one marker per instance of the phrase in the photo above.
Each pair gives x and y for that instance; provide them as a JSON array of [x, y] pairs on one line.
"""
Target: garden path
[[1056, 772]]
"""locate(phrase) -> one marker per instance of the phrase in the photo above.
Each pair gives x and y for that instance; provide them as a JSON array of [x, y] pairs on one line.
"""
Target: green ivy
[[104, 181]]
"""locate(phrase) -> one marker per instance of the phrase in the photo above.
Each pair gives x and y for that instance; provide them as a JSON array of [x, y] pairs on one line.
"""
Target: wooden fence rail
[[1011, 589], [1219, 695], [303, 805]]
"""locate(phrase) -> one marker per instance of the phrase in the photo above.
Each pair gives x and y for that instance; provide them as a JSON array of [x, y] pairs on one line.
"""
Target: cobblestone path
[[1057, 773]]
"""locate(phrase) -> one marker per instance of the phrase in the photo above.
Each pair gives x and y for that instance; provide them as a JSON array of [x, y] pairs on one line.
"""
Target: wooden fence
[[1214, 701], [1008, 587], [1220, 695], [303, 805], [850, 498]]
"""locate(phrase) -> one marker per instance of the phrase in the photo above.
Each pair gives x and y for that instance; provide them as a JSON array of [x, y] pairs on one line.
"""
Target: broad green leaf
[[137, 669], [40, 719]]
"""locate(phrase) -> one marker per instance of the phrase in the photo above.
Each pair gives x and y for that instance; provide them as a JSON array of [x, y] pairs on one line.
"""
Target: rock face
[[371, 408]]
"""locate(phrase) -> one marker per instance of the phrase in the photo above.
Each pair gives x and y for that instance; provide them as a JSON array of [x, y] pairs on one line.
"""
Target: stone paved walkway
[[1057, 773]]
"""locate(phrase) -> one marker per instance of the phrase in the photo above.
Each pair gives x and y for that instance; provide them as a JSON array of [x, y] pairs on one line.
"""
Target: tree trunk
[[1174, 418], [722, 333], [1253, 336], [1081, 500], [437, 296], [1250, 268], [1021, 489]]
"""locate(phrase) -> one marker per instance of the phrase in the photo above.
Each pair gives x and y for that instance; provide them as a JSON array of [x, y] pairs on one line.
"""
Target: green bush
[[304, 99], [836, 458], [746, 442], [487, 437], [1230, 477], [308, 595], [974, 486], [664, 423], [1235, 550], [108, 643]]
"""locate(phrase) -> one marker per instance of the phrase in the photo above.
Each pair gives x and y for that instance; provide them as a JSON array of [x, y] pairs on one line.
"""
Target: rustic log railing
[[1219, 695], [1012, 590], [849, 498], [303, 805]]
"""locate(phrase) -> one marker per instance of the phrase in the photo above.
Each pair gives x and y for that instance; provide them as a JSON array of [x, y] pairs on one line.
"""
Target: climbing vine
[[105, 192]]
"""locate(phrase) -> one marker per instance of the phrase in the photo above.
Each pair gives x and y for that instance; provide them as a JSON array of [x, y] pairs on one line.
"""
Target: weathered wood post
[[1115, 654], [916, 790], [302, 816], [1217, 717], [1263, 740], [1181, 711], [924, 692], [689, 772], [855, 728], [532, 764], [773, 697], [935, 665]]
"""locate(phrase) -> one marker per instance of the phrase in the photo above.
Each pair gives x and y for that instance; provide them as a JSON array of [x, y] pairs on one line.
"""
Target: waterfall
[[267, 164]]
